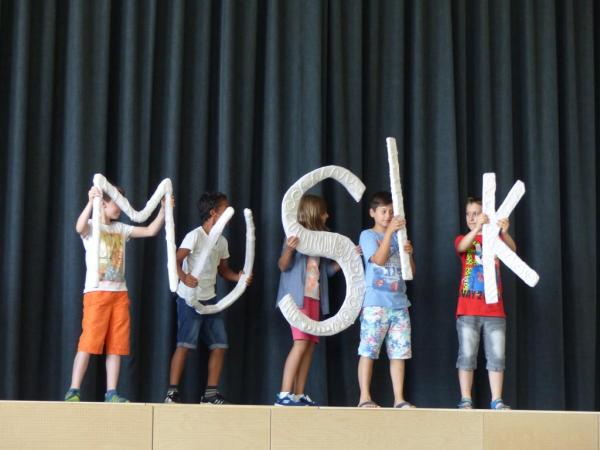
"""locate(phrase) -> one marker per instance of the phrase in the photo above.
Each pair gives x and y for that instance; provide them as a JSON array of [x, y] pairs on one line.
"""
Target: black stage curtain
[[245, 97]]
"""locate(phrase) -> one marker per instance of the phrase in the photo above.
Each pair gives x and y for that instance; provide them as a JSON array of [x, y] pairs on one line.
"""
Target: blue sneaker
[[499, 405], [287, 400], [307, 401]]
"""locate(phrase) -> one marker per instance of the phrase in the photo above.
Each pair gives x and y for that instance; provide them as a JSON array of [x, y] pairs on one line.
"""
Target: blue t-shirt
[[385, 286]]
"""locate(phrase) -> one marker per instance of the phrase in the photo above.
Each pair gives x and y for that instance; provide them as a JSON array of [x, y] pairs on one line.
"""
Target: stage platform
[[58, 425]]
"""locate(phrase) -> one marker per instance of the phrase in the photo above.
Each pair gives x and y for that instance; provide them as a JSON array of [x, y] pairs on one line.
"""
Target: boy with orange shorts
[[105, 324]]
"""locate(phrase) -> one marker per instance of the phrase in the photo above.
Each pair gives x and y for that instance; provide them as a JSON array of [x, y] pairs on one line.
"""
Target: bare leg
[[365, 373], [216, 359], [177, 365], [80, 365], [292, 364], [397, 375], [496, 381], [304, 368], [465, 378], [113, 366]]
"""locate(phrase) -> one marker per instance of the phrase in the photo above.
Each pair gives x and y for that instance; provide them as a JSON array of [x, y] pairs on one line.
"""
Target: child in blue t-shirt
[[385, 307]]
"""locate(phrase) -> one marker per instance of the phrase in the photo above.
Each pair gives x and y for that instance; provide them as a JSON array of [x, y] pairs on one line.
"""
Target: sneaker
[[216, 399], [287, 400], [114, 398], [172, 397], [306, 400], [499, 405], [72, 395], [465, 403]]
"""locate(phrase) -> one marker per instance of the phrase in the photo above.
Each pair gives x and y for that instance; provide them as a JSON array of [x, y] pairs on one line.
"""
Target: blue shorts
[[191, 325]]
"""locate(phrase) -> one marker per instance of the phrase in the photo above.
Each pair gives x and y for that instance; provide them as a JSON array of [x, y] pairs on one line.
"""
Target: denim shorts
[[191, 325], [378, 324], [494, 339]]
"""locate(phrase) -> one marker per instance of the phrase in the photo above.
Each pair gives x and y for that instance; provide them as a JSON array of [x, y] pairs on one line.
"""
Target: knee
[[219, 351], [495, 353], [467, 354], [302, 346]]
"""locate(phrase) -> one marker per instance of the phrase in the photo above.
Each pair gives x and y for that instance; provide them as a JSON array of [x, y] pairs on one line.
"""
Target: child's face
[[382, 215], [218, 211], [472, 213], [111, 210], [324, 217]]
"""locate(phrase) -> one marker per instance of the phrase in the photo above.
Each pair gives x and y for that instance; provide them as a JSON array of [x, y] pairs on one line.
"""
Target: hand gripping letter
[[494, 246], [398, 200], [330, 245], [240, 287], [164, 189]]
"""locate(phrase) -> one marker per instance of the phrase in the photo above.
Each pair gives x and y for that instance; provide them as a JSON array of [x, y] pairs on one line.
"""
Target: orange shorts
[[105, 321]]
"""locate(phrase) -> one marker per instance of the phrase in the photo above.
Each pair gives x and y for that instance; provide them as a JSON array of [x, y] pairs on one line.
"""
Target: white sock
[[283, 394]]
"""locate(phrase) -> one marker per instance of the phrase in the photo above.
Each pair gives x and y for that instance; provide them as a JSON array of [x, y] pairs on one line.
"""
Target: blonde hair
[[310, 212]]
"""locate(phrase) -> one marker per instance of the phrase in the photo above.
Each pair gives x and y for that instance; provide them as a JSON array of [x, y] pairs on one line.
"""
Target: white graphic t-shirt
[[111, 264]]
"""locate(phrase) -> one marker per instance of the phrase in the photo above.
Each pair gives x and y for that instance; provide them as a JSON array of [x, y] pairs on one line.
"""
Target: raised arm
[[468, 238], [81, 226], [382, 253], [154, 227]]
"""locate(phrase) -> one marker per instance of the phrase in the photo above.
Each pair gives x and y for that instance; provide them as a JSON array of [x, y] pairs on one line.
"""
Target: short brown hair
[[381, 198], [473, 200]]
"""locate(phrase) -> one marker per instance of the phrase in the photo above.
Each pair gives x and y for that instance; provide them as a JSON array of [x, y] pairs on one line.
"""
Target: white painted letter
[[494, 246], [330, 245], [398, 200], [164, 189]]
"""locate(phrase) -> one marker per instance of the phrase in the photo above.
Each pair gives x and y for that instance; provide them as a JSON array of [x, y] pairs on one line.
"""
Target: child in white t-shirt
[[191, 325]]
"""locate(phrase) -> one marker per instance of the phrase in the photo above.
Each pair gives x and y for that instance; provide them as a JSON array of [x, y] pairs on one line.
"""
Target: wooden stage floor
[[59, 425]]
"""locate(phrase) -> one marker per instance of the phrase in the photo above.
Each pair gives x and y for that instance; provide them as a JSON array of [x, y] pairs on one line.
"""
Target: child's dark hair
[[473, 200], [107, 198], [381, 198], [209, 201]]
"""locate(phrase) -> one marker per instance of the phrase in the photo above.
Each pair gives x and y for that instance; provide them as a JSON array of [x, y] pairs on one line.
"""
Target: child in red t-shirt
[[473, 314]]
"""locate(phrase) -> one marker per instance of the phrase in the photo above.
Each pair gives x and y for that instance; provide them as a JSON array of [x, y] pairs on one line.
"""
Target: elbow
[[377, 261]]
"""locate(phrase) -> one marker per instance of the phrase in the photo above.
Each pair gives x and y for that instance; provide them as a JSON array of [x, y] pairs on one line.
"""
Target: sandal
[[368, 404], [404, 405], [465, 403], [499, 405]]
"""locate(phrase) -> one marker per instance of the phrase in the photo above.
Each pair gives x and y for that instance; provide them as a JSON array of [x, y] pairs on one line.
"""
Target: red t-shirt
[[471, 293]]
